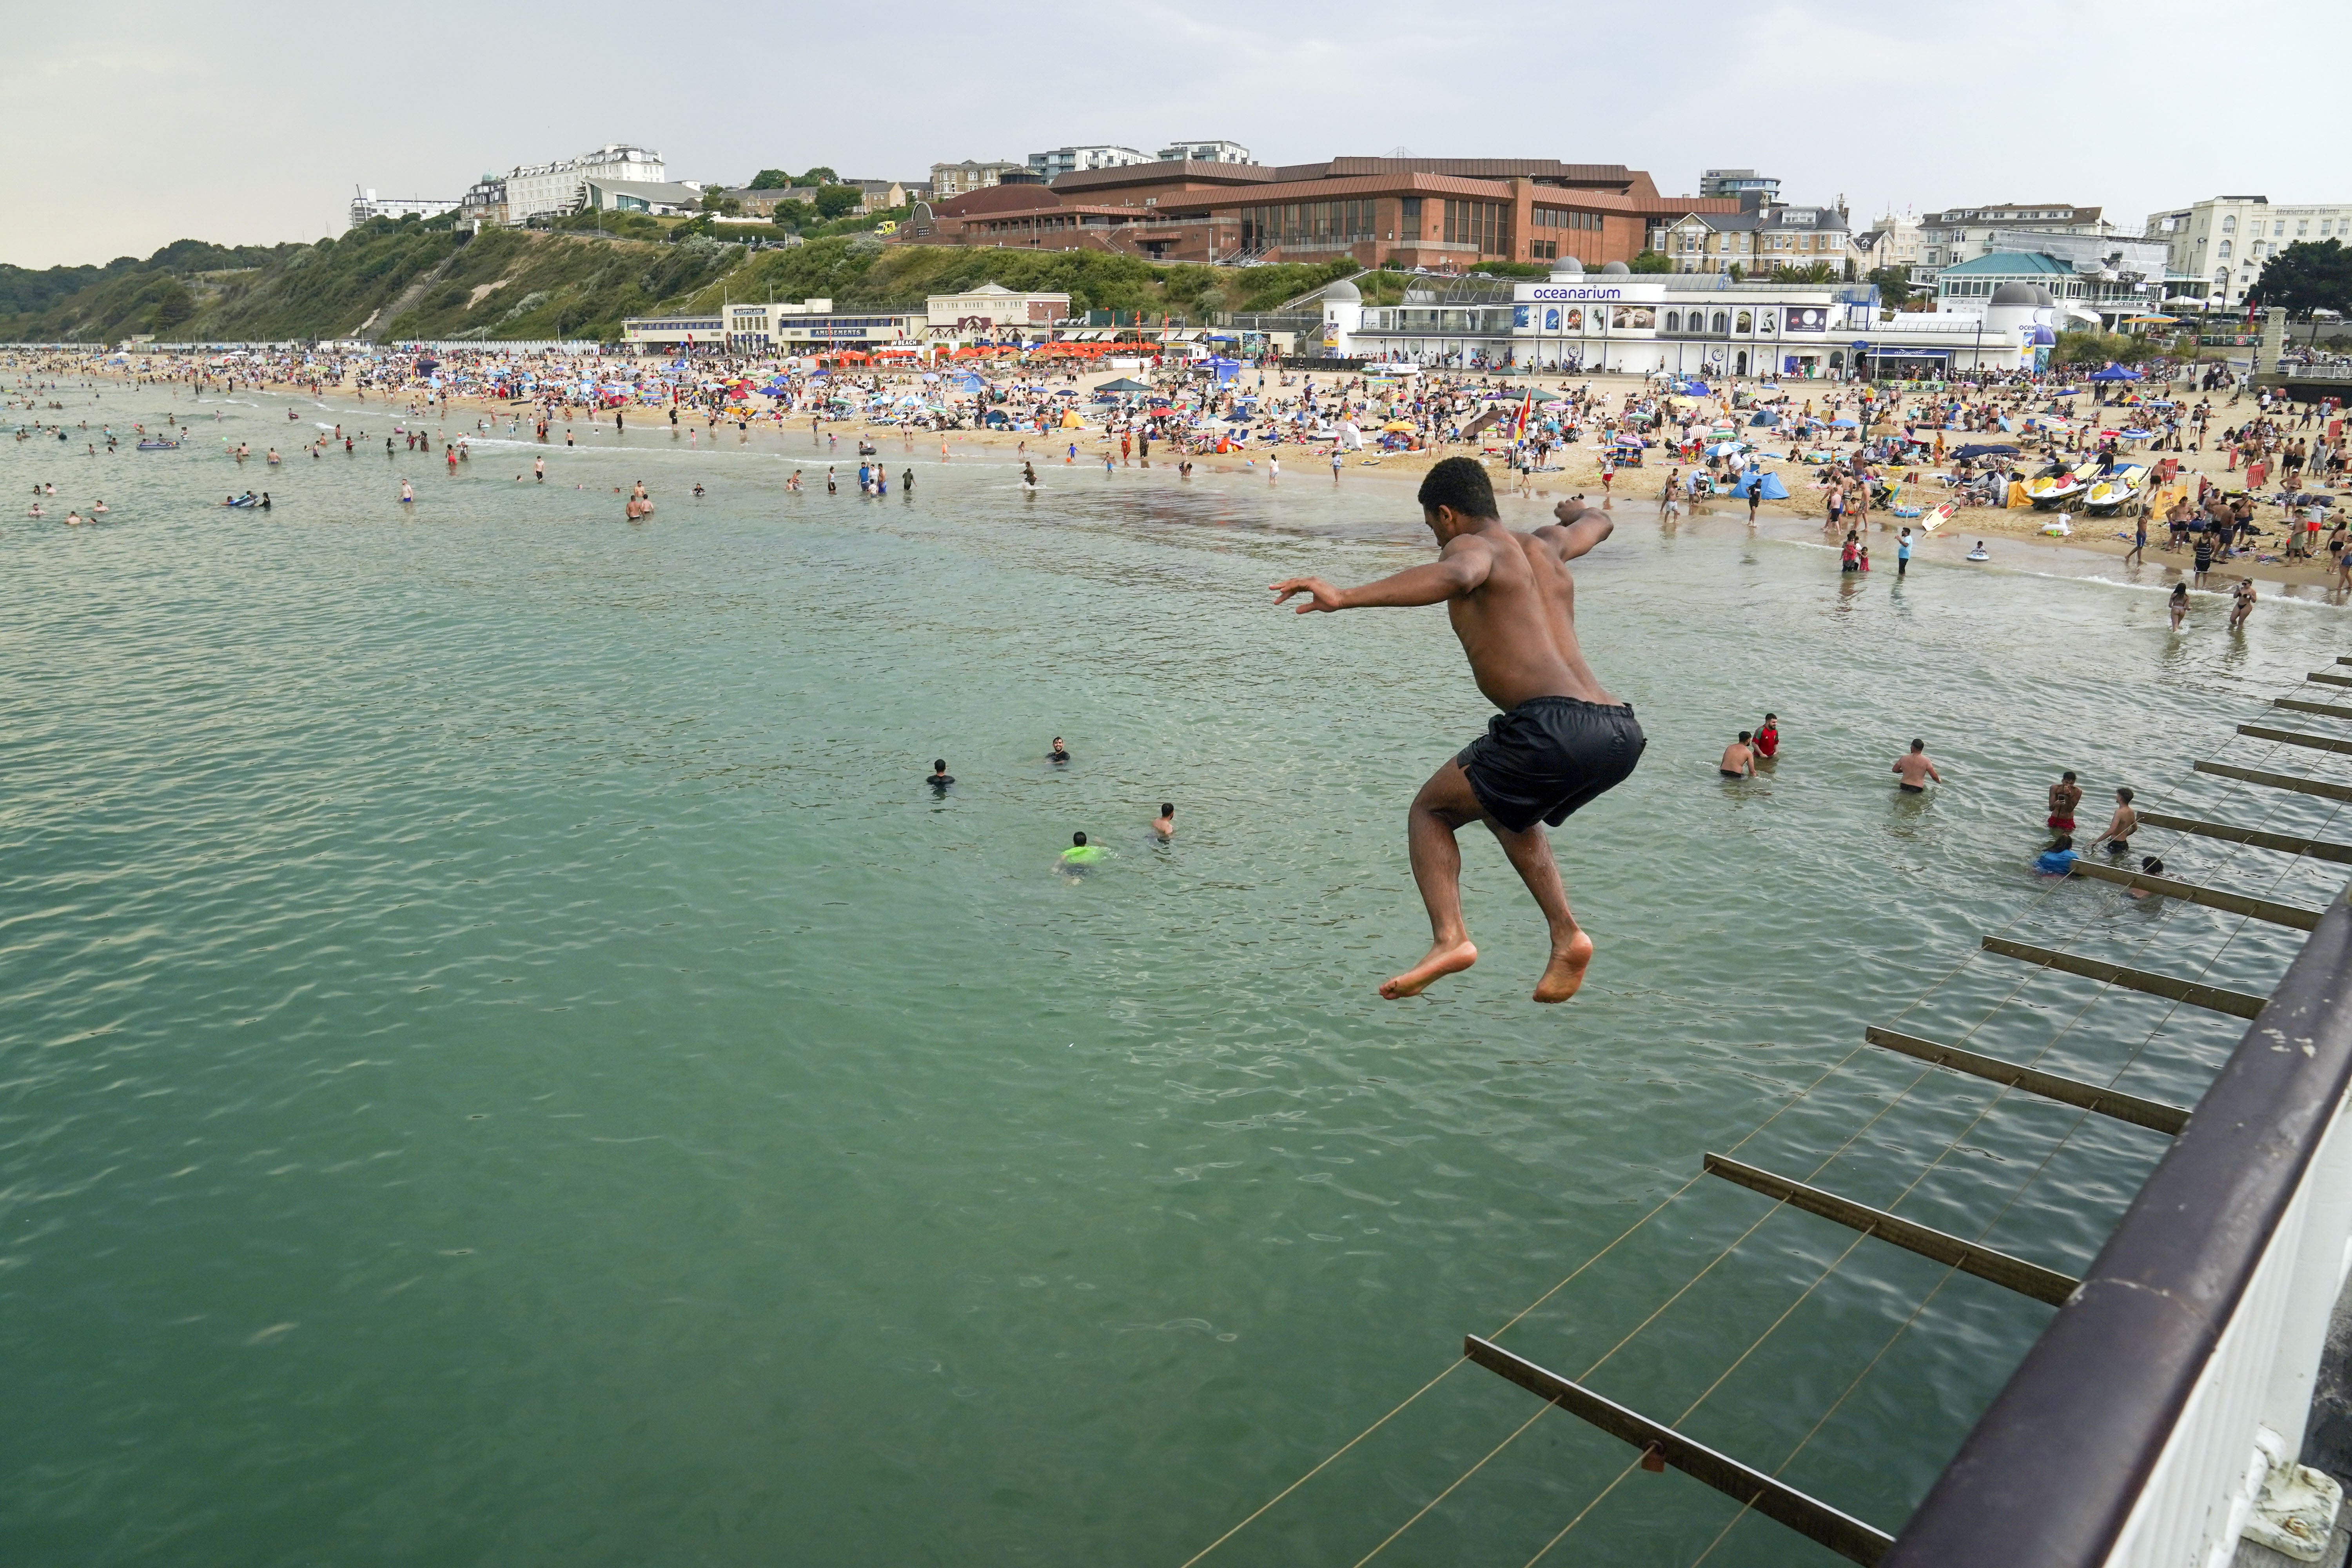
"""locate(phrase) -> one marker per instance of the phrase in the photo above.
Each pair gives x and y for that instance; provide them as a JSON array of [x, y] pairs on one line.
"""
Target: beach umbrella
[[1124, 384], [1726, 448], [1842, 422]]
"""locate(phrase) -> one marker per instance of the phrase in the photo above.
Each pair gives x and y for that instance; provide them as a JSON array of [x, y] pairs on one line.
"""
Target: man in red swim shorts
[[2064, 797]]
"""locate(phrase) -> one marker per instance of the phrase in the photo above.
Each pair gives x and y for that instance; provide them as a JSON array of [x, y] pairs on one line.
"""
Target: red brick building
[[1414, 212]]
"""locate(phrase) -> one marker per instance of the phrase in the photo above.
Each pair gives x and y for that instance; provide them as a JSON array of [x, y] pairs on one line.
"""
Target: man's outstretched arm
[[1456, 572], [1580, 528]]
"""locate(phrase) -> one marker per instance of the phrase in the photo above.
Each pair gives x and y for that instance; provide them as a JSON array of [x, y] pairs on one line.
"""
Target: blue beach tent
[[1773, 488]]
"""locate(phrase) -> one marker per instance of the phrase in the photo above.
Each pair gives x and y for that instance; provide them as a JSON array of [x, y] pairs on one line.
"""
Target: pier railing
[[2174, 1385], [2158, 1417]]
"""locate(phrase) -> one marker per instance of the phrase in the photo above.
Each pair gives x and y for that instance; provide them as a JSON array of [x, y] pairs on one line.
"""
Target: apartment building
[[2224, 241], [537, 190]]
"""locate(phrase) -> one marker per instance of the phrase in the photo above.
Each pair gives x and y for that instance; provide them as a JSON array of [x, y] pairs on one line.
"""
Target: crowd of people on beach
[[1908, 457]]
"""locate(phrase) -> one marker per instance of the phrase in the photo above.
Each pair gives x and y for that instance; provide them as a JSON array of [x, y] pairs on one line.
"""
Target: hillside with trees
[[394, 279]]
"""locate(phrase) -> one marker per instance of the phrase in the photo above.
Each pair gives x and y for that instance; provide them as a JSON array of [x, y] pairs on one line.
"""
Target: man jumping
[[1560, 740]]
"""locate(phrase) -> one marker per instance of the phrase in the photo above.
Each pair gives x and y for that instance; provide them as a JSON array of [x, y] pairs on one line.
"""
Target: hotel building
[[541, 189]]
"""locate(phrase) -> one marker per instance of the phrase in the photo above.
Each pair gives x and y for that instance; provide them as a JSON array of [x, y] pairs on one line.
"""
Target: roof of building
[[1594, 178], [2016, 212], [664, 191], [1810, 220], [2011, 263]]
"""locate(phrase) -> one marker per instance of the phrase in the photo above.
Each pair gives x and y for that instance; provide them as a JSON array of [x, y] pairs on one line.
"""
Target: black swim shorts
[[1548, 756]]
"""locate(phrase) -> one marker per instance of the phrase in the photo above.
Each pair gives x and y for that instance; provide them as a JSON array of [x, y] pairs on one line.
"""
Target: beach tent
[[966, 382], [1984, 450], [1226, 369], [2114, 372], [1773, 488], [1124, 384]]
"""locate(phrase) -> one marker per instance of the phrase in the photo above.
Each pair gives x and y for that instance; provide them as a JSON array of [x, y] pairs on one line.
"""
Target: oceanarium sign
[[1571, 292]]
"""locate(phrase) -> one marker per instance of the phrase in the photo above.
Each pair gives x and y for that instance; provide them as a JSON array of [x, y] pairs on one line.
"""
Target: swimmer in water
[[1060, 753], [1739, 759], [1164, 824], [1028, 476], [2058, 860], [941, 778], [406, 495], [2117, 835], [1080, 852], [2178, 603], [2149, 866], [1980, 552], [1913, 769], [1560, 740]]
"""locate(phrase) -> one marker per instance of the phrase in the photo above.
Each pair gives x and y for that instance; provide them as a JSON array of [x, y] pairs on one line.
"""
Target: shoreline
[[2095, 537]]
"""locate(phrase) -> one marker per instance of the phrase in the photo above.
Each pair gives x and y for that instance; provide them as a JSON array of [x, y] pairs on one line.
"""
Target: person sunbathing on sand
[[1560, 740]]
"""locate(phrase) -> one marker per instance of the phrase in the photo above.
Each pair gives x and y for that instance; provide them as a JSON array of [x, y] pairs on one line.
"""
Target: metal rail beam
[[2150, 1113], [2291, 843], [2294, 738], [2324, 710], [2295, 782], [2269, 910], [1810, 1517], [2328, 678], [1968, 1257], [2220, 999]]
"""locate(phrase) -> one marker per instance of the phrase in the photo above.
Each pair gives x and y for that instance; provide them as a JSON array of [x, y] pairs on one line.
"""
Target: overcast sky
[[251, 122]]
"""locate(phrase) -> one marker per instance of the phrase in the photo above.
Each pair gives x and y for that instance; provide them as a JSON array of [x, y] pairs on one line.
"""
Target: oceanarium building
[[1684, 325]]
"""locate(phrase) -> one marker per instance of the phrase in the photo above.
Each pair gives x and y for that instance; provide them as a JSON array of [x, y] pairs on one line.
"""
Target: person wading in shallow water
[[1560, 740]]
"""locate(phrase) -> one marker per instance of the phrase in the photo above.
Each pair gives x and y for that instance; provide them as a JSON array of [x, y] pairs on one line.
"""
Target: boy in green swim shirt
[[1080, 852]]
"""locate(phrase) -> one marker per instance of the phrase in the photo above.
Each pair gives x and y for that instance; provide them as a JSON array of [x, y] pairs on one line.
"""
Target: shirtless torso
[[1913, 770]]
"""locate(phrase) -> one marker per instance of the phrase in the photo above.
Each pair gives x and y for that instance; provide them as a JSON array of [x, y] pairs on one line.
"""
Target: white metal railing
[[2244, 1420], [2158, 1417]]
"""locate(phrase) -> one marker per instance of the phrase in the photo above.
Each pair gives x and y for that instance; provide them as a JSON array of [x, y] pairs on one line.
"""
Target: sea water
[[505, 1060]]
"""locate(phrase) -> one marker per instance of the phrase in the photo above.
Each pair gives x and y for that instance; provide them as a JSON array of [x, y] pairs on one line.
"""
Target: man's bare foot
[[1444, 959], [1564, 975]]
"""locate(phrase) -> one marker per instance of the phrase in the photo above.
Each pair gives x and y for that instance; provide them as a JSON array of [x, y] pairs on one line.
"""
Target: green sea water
[[503, 1059]]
